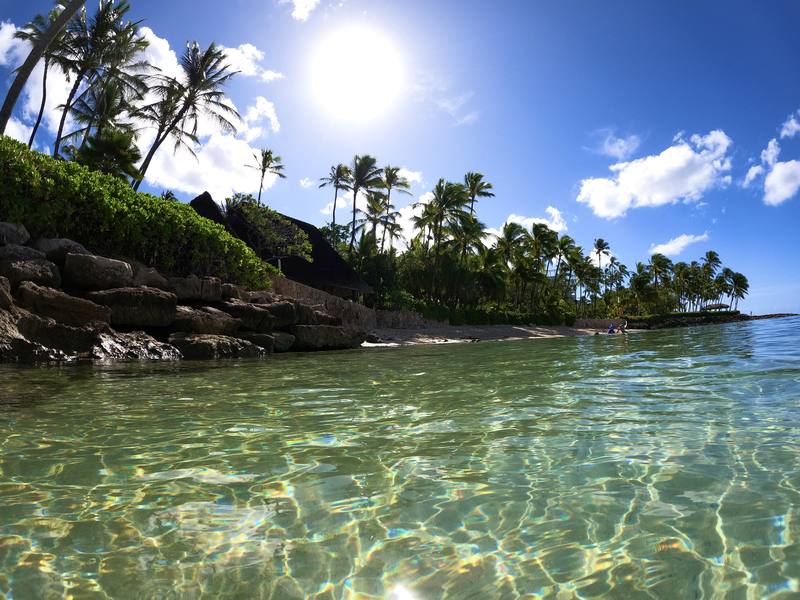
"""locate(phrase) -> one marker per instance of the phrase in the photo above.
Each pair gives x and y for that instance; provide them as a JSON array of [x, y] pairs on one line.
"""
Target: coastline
[[453, 334]]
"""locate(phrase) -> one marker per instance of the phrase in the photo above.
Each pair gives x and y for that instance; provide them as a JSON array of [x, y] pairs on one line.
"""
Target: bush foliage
[[55, 198]]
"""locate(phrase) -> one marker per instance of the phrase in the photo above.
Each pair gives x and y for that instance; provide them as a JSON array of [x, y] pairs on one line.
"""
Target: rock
[[236, 292], [263, 297], [132, 346], [325, 337], [17, 252], [252, 316], [90, 272], [306, 315], [14, 347], [284, 313], [371, 338], [206, 289], [6, 301], [324, 318], [282, 341], [205, 320], [209, 347], [56, 249], [148, 276], [13, 233], [39, 271], [262, 340], [54, 335], [137, 306], [62, 307]]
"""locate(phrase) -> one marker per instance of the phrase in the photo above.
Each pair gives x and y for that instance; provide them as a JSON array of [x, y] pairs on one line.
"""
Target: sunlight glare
[[356, 74]]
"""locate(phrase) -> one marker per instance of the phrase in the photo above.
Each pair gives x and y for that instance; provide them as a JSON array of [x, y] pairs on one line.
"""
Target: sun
[[356, 74]]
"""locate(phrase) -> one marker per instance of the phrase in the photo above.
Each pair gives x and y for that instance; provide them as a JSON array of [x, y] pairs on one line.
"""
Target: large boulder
[[13, 233], [324, 318], [194, 288], [62, 307], [282, 341], [90, 272], [56, 249], [284, 313], [132, 346], [306, 314], [148, 276], [17, 252], [137, 306], [6, 301], [262, 340], [205, 320], [252, 316], [15, 347], [263, 297], [39, 271], [235, 292], [210, 347], [66, 338], [325, 337]]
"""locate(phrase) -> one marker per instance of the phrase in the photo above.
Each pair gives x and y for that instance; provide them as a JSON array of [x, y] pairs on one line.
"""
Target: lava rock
[[39, 271], [132, 346], [284, 314], [62, 307], [194, 288], [262, 340], [326, 337], [205, 319], [66, 338], [282, 341], [235, 292], [56, 249], [13, 233], [90, 272], [137, 306], [324, 318], [263, 297], [14, 347], [252, 316], [211, 347], [6, 301], [306, 315], [17, 252], [149, 277]]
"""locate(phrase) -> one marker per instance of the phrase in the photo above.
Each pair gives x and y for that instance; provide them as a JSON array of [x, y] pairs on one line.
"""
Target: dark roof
[[327, 270]]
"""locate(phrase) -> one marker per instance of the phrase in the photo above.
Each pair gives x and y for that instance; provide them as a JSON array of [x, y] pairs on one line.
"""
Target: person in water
[[611, 329]]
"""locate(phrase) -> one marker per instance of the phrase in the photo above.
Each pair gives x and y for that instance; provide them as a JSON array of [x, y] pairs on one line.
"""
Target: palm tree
[[267, 162], [365, 176], [660, 267], [111, 151], [339, 177], [205, 73], [390, 180], [33, 32], [739, 288], [373, 215], [601, 247], [40, 46], [476, 188]]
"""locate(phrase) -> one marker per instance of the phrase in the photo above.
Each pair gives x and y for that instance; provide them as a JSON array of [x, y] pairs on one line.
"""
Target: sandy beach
[[450, 334]]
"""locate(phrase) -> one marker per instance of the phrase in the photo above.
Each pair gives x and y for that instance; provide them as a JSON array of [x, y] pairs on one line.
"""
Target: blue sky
[[541, 97]]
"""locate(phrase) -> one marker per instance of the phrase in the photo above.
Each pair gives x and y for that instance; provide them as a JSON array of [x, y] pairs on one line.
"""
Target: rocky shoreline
[[59, 302]]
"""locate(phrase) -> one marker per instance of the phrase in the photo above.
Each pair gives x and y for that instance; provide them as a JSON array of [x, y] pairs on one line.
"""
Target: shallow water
[[661, 465]]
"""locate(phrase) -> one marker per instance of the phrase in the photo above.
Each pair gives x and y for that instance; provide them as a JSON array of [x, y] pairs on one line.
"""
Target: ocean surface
[[659, 465]]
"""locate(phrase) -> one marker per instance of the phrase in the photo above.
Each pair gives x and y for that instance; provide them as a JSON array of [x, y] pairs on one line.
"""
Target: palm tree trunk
[[36, 53], [161, 135], [335, 197], [260, 187], [41, 106], [67, 106], [353, 227], [388, 203]]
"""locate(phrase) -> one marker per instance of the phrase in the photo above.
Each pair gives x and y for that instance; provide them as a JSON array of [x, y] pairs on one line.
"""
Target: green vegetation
[[55, 198], [453, 268]]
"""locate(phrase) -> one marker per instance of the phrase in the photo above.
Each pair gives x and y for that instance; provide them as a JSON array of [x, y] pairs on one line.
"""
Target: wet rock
[[326, 337], [39, 271], [371, 338], [13, 233], [252, 316], [14, 347], [282, 341], [262, 340], [149, 277], [17, 252], [62, 307], [132, 346], [137, 306], [193, 288], [235, 292], [211, 347], [90, 272], [6, 301], [284, 313], [56, 249], [66, 338], [205, 319]]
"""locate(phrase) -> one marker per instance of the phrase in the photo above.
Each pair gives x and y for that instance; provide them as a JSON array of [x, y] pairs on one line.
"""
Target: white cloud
[[677, 244], [18, 130], [457, 107], [301, 8], [619, 148], [769, 155], [791, 126], [413, 177], [782, 182], [406, 218], [159, 54], [752, 173], [554, 220], [261, 110], [684, 171], [12, 50], [305, 182], [245, 59]]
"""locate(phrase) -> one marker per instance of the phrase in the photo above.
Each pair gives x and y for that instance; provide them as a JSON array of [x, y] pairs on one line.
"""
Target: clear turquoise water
[[661, 465]]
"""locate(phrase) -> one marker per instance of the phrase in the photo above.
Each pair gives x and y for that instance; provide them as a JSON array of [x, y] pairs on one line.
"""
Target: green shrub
[[55, 198]]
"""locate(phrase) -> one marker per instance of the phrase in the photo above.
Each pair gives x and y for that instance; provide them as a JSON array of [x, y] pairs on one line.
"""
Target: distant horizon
[[660, 128]]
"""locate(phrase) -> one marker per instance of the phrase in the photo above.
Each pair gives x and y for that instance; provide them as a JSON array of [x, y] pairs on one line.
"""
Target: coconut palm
[[267, 162], [739, 288], [40, 46], [392, 180], [601, 247], [112, 151], [476, 188], [366, 176], [33, 32], [200, 91], [339, 177]]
